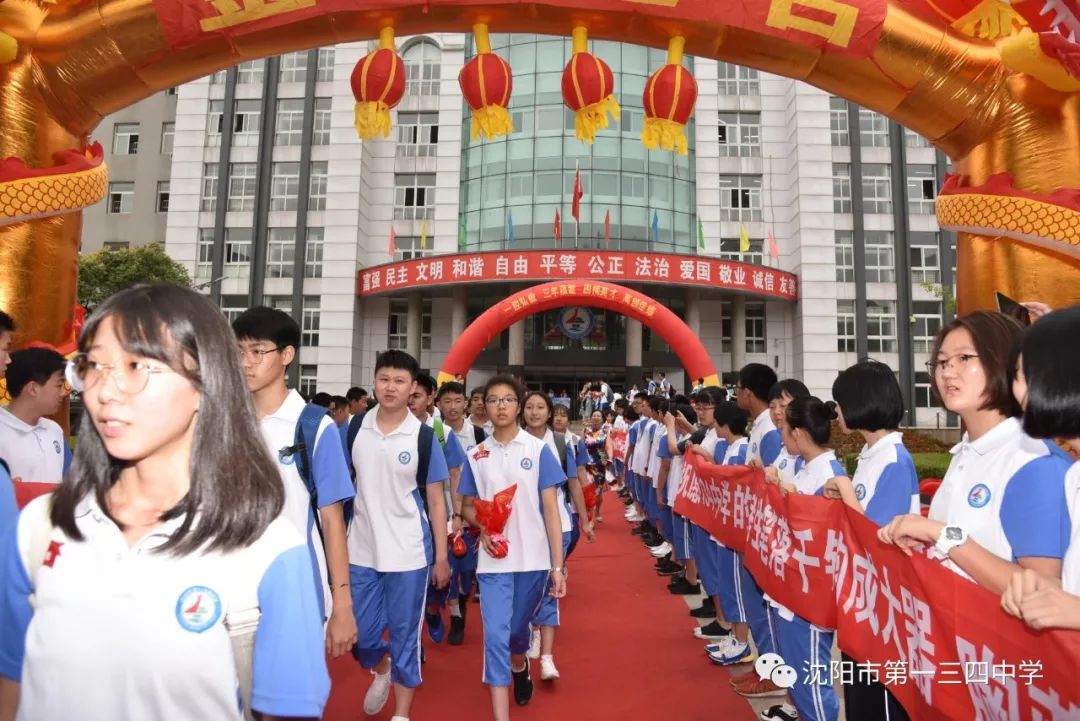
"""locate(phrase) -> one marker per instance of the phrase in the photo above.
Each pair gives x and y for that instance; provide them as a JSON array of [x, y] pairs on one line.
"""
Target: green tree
[[107, 271]]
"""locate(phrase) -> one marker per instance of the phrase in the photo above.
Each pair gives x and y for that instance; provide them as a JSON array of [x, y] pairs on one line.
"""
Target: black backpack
[[423, 452]]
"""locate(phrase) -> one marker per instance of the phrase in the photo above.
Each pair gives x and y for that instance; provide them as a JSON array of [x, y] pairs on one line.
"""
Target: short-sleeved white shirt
[[639, 464], [390, 530], [1070, 567], [33, 453], [761, 428], [527, 462], [123, 632], [653, 468], [787, 465], [565, 522]]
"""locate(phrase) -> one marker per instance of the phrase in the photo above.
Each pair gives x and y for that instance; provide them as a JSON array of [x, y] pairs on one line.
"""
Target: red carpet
[[617, 620]]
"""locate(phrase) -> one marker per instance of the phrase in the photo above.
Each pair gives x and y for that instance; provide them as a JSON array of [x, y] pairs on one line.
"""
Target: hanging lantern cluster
[[587, 85], [486, 82], [378, 84], [670, 94]]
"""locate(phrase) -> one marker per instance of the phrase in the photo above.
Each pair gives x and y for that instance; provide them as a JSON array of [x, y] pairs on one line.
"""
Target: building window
[[280, 252], [121, 197], [242, 186], [927, 320], [408, 247], [171, 91], [845, 326], [204, 261], [208, 201], [111, 245], [308, 380], [309, 324], [232, 306], [418, 134], [293, 67], [740, 197], [880, 264], [925, 257], [285, 186], [325, 65], [873, 129], [841, 187], [422, 68], [398, 329], [725, 327], [845, 256], [922, 189], [320, 133], [217, 78], [237, 252], [125, 139], [755, 327], [414, 196], [924, 396], [246, 122], [838, 122], [740, 135], [320, 174], [215, 122], [163, 196], [729, 250], [168, 132], [737, 80], [250, 72], [876, 188], [313, 253], [289, 125], [914, 140], [880, 326]]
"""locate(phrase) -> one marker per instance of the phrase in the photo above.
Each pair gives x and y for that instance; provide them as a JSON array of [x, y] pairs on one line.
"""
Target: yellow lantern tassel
[[989, 20], [372, 119], [665, 134], [491, 121], [593, 118]]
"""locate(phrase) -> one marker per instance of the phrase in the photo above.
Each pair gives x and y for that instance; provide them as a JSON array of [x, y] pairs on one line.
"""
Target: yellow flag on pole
[[423, 233], [744, 239]]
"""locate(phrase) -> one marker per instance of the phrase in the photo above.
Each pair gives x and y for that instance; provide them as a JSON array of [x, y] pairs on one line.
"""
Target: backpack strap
[[440, 432], [423, 452], [560, 446], [303, 451], [354, 430], [479, 434]]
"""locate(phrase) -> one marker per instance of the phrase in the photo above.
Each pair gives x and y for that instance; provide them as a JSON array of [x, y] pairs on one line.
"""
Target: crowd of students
[[211, 511]]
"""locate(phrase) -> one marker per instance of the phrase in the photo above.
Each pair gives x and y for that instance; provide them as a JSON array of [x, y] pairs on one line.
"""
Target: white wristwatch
[[950, 538]]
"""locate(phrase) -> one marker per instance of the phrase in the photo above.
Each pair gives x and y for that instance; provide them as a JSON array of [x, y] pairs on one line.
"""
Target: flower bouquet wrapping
[[591, 500], [456, 543], [492, 516]]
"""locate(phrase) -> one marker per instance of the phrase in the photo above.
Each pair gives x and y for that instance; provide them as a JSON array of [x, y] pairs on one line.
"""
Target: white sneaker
[[662, 550], [534, 644], [377, 693], [636, 517], [629, 512], [548, 672]]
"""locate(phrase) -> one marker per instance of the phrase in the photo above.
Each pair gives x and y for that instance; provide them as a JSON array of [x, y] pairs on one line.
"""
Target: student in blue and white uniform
[[267, 340], [392, 548], [8, 509], [33, 445], [752, 395], [1001, 506], [145, 548], [1047, 385], [802, 644], [675, 528], [633, 509], [511, 588], [780, 395], [579, 513], [537, 418], [659, 407]]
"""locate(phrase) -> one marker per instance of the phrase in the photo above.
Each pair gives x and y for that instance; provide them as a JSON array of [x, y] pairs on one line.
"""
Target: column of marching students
[[210, 512]]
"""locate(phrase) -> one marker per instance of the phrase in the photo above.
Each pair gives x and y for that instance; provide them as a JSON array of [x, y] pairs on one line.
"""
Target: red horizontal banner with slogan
[[939, 642], [547, 265], [851, 27]]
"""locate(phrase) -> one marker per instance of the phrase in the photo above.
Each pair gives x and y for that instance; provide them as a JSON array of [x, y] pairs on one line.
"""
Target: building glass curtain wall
[[517, 182]]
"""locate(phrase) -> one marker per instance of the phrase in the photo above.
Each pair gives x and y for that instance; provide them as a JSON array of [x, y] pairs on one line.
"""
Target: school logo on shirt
[[285, 456], [783, 464], [979, 496], [481, 453], [753, 447], [56, 446], [198, 608], [526, 463], [860, 491], [404, 457]]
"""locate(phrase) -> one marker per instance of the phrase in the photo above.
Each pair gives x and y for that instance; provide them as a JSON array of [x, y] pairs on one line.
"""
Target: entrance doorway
[[572, 380]]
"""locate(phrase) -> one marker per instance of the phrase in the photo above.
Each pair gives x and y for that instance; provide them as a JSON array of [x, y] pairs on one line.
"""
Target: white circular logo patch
[[860, 491], [979, 496], [526, 463], [198, 608], [404, 457]]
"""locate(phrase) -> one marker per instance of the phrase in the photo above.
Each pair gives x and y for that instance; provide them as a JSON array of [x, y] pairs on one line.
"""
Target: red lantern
[[486, 82], [378, 84], [670, 94], [587, 85]]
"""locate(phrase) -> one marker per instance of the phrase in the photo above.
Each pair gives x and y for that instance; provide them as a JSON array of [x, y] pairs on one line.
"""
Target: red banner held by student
[[939, 642]]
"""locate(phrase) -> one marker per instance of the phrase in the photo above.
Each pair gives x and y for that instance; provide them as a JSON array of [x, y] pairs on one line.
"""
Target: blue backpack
[[303, 449]]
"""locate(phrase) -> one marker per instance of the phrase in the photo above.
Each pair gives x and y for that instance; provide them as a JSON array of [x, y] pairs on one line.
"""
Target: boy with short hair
[[357, 399], [478, 412], [32, 445], [392, 546], [267, 340]]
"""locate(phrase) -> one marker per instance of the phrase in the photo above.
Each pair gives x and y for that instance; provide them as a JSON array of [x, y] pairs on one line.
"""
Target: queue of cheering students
[[208, 512]]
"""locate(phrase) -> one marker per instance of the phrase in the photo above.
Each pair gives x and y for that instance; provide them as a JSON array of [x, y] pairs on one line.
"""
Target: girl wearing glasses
[[512, 587], [1047, 386], [166, 535], [1001, 506]]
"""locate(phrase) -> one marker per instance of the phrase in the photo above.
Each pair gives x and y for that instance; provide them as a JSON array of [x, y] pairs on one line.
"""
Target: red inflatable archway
[[597, 294]]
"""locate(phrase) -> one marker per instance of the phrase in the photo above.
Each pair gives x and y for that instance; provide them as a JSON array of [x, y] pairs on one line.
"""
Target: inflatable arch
[[992, 83], [593, 293]]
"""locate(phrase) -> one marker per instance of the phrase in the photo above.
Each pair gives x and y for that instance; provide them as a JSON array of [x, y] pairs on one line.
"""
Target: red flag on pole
[[575, 207], [774, 252], [558, 226], [607, 226], [393, 245]]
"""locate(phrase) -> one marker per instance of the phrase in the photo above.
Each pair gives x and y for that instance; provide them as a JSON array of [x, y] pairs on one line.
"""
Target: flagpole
[[768, 228], [577, 221]]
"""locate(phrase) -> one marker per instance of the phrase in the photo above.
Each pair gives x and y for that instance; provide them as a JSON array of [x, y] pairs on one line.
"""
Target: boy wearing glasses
[[267, 340], [33, 446]]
